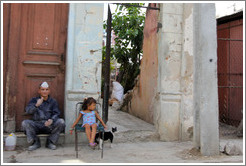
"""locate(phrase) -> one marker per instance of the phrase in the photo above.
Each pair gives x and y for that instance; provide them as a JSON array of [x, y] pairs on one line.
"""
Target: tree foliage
[[128, 24]]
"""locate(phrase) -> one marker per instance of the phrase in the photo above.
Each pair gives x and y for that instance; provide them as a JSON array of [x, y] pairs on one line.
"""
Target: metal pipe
[[107, 69]]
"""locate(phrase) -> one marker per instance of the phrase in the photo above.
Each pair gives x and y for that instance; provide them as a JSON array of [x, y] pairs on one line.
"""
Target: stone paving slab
[[135, 142]]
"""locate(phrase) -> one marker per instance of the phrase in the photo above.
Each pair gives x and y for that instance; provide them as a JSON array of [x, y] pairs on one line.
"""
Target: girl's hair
[[88, 102]]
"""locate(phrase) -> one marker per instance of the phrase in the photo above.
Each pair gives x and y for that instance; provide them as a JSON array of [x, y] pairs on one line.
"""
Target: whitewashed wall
[[84, 56]]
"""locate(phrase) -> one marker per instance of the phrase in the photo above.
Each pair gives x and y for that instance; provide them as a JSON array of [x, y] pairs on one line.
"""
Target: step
[[129, 129], [136, 136], [22, 140]]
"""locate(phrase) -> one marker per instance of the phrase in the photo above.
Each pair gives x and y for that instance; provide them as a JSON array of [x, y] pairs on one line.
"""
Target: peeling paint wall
[[84, 56], [164, 93], [186, 107], [142, 102], [186, 104]]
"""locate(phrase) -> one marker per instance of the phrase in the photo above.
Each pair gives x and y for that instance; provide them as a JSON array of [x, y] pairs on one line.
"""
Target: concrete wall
[[187, 47], [206, 126], [186, 105], [173, 105], [144, 92], [84, 56], [167, 114], [163, 94]]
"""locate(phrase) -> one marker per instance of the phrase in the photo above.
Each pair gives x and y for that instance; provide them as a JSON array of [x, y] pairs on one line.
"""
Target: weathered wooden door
[[37, 47]]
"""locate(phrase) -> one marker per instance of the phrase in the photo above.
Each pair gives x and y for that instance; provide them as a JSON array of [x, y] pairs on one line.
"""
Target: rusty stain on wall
[[145, 89]]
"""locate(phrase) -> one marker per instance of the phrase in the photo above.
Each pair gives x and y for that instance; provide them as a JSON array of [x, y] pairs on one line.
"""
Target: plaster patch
[[188, 34]]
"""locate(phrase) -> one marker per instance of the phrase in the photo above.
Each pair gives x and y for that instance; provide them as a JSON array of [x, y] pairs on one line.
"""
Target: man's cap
[[44, 84]]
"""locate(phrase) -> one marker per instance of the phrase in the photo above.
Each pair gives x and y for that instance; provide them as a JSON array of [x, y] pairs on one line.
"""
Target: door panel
[[42, 50]]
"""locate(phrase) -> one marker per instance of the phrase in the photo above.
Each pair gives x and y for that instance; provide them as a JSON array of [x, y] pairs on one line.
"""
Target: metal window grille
[[230, 76]]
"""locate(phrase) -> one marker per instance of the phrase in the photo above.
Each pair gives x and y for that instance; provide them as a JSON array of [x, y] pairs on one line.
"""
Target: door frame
[[11, 57]]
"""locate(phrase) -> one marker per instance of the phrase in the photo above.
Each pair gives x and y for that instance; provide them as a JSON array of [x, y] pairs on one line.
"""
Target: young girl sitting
[[89, 120]]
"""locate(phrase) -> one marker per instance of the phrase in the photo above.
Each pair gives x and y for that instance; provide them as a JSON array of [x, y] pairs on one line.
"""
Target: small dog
[[108, 135]]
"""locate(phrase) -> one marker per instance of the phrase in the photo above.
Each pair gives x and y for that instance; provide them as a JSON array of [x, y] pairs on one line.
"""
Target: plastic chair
[[78, 128]]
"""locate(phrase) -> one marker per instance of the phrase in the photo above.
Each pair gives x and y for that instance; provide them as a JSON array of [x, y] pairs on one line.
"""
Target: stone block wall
[[169, 73]]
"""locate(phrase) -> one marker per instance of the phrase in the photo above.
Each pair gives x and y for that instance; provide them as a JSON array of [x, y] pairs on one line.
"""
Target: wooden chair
[[78, 128]]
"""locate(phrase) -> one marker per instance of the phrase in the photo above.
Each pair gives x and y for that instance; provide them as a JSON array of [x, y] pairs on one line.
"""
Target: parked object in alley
[[127, 101], [108, 135], [10, 142], [117, 93]]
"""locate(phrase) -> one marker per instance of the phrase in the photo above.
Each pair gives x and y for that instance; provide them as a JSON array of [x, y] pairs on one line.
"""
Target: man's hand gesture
[[39, 101]]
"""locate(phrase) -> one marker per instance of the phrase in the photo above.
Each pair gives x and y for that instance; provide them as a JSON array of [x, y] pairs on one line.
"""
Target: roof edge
[[232, 17]]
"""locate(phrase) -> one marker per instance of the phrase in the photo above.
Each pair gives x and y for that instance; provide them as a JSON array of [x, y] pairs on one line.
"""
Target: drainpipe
[[107, 69]]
